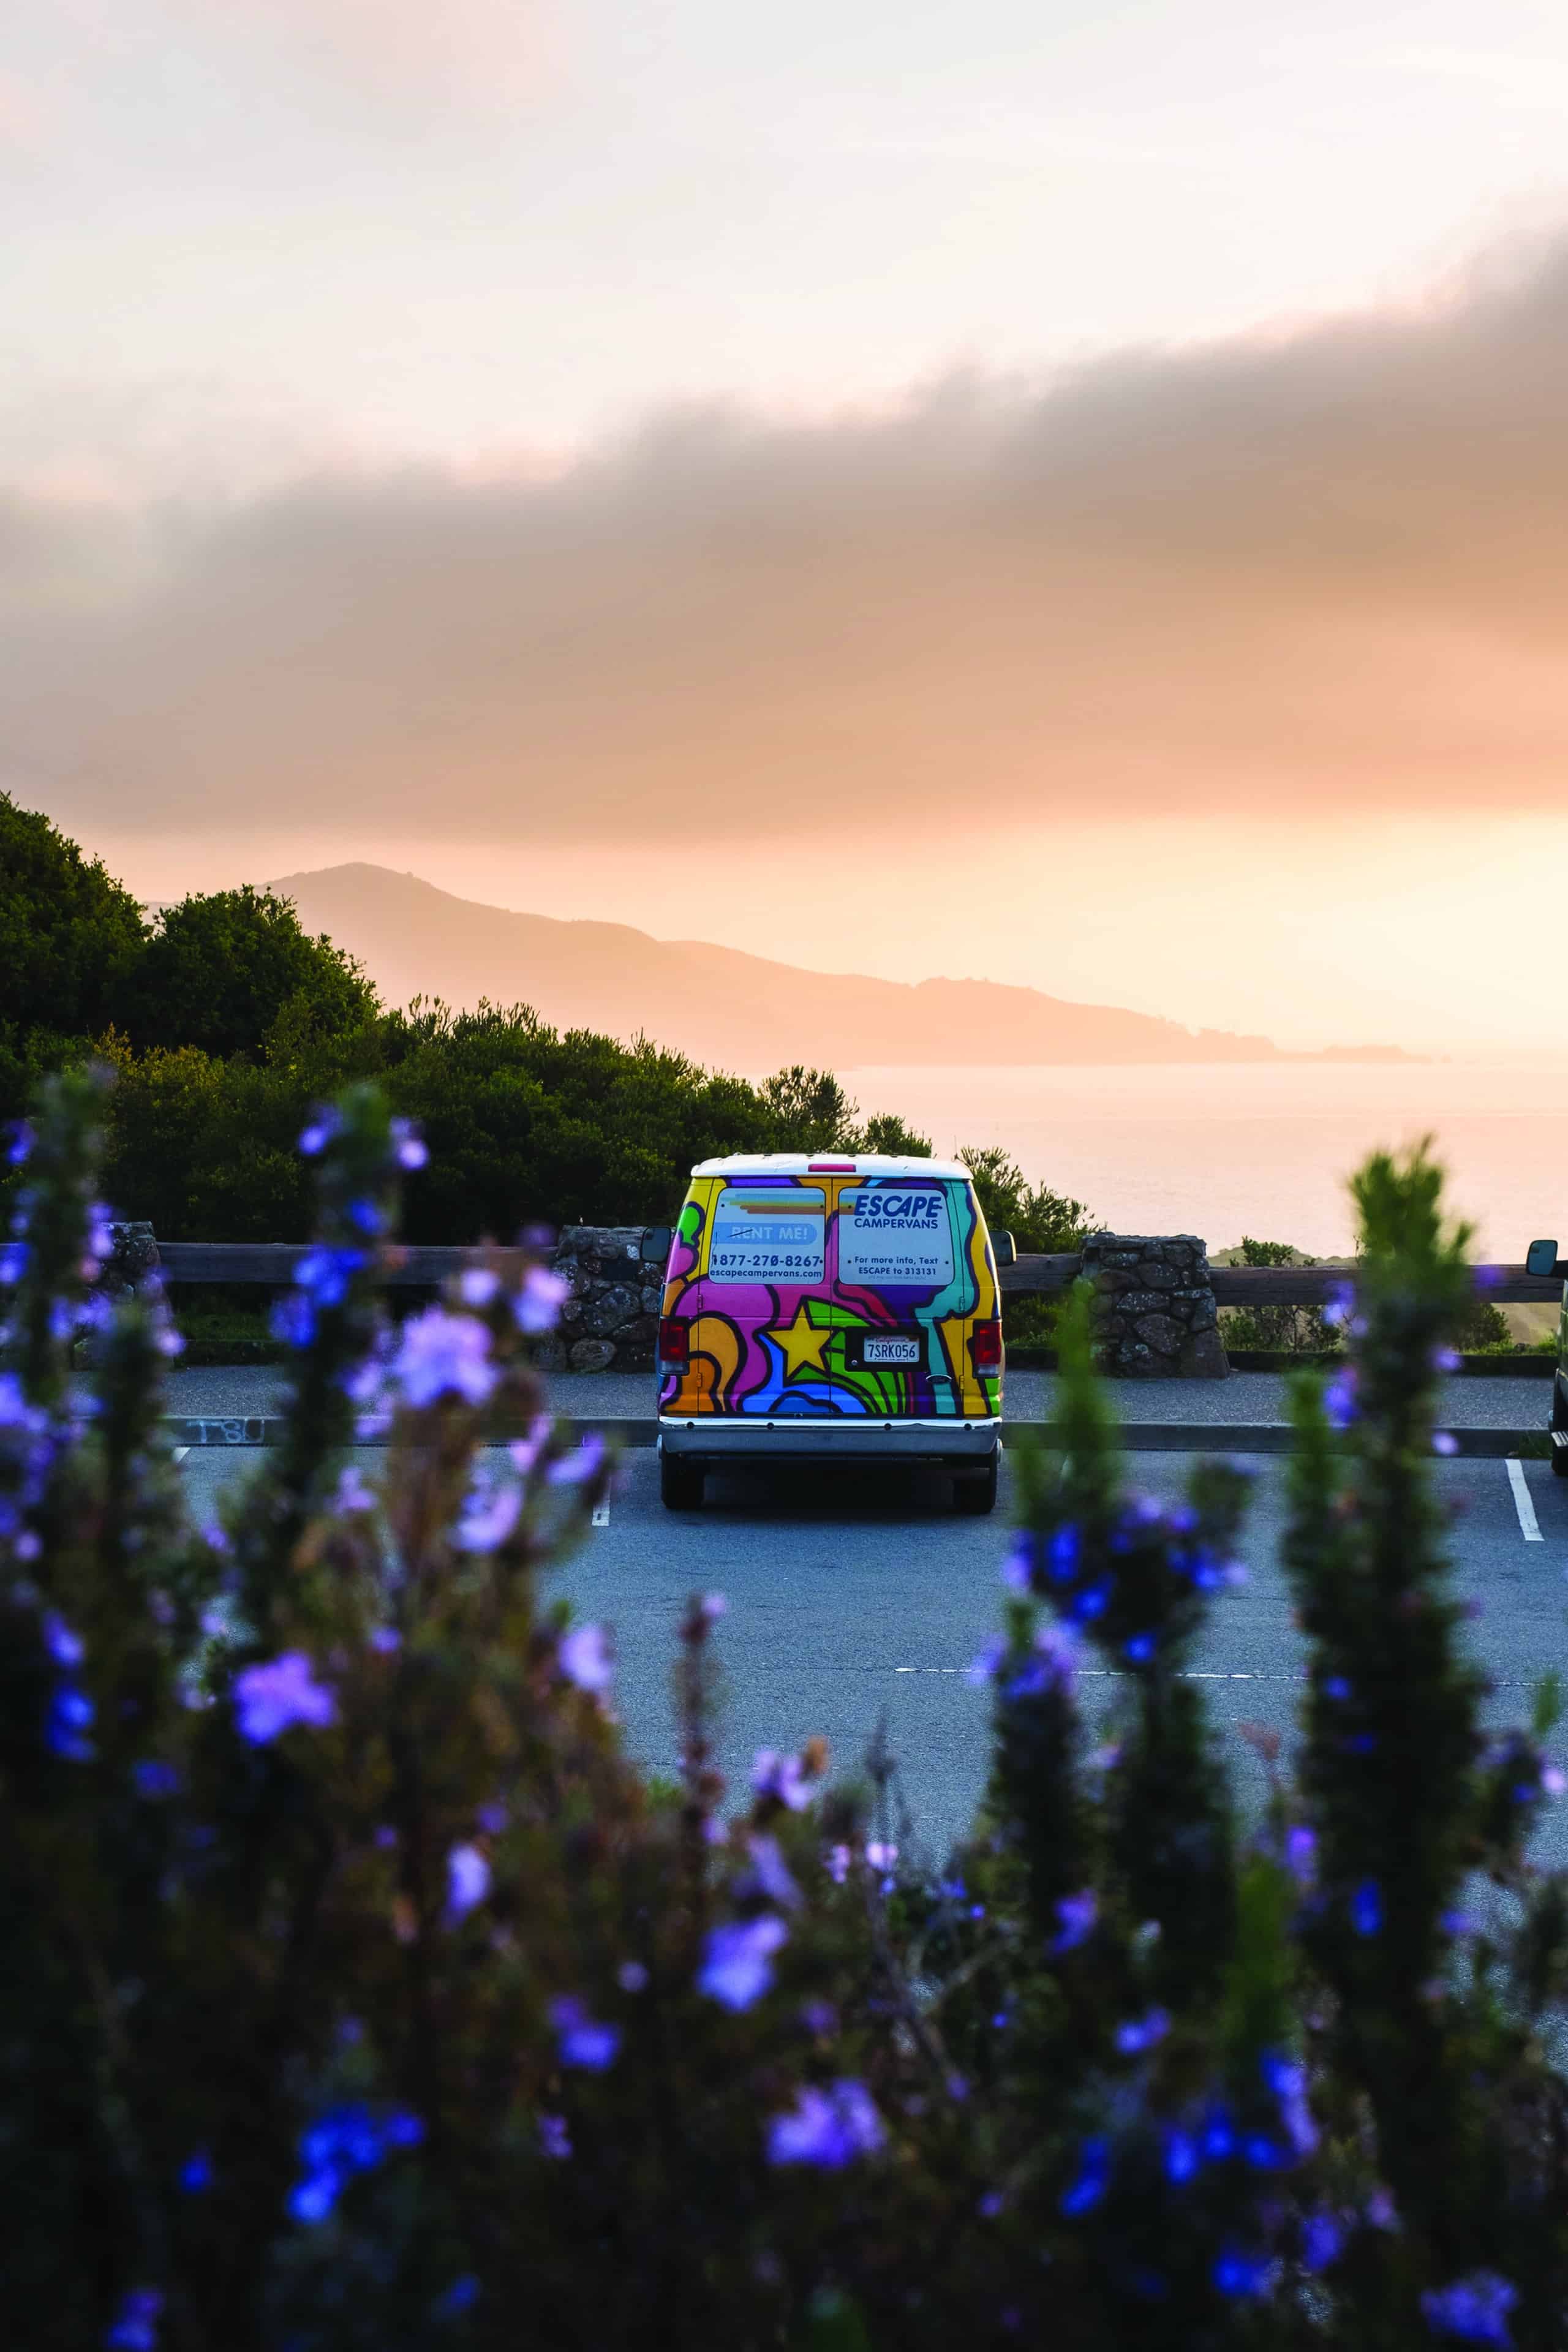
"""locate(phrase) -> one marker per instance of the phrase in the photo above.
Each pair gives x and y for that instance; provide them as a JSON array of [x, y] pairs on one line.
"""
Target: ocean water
[[1226, 1148]]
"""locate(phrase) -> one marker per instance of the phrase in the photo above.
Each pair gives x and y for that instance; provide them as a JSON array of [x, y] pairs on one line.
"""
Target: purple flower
[[460, 2296], [1238, 2273], [555, 2139], [1340, 1305], [324, 1275], [270, 1698], [881, 1855], [1302, 1853], [1445, 1442], [1078, 1914], [1063, 1552], [581, 1464], [737, 1961], [983, 1668], [409, 1145], [1090, 1603], [712, 1606], [632, 1976], [315, 1138], [66, 1726], [1340, 1400], [478, 1285], [1322, 2239], [829, 2128], [153, 1779], [66, 1648], [1140, 2033], [467, 1880], [385, 1639], [540, 1299], [581, 2042], [488, 1518], [1141, 1648], [776, 1775], [836, 1862], [20, 1145], [1088, 2186], [585, 1658], [819, 2017], [1182, 2157], [343, 2140], [134, 2327], [492, 1818], [1016, 1571], [1366, 1908], [1445, 1359], [524, 1452], [444, 1355], [1475, 2308], [196, 2172], [293, 1320], [770, 1873]]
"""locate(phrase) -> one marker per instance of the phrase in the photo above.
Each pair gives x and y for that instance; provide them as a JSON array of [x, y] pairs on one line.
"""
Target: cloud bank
[[1318, 574]]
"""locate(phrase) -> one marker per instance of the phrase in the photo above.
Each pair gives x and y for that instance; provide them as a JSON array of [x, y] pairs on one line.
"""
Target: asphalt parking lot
[[855, 1599]]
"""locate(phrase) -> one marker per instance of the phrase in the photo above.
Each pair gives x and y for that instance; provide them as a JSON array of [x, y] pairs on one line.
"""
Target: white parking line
[[602, 1514], [1528, 1526], [180, 1452]]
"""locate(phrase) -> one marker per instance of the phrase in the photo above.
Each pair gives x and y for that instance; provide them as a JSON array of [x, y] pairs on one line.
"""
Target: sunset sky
[[1049, 489]]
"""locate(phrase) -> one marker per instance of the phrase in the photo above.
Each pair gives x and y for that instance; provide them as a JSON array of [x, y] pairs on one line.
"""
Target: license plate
[[889, 1351]]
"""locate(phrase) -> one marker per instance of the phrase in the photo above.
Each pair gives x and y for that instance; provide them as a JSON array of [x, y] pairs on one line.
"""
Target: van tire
[[974, 1492], [680, 1483], [1560, 1461]]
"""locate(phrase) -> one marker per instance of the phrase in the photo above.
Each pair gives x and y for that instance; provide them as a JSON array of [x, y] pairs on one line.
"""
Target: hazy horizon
[[1073, 497]]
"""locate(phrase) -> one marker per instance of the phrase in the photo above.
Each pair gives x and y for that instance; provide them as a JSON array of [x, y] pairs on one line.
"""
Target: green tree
[[1038, 1218], [224, 968], [71, 938], [811, 1110]]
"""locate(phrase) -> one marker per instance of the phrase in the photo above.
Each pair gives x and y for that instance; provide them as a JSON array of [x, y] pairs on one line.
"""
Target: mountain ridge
[[726, 1007]]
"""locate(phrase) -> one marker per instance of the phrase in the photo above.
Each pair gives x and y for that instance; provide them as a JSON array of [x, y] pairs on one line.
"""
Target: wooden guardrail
[[274, 1261], [1285, 1285], [1233, 1285]]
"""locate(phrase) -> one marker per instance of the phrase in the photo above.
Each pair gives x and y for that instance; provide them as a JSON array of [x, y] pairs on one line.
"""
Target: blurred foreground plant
[[359, 1992]]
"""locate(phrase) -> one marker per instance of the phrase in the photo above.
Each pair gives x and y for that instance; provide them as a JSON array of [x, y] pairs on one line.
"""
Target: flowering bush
[[360, 1993]]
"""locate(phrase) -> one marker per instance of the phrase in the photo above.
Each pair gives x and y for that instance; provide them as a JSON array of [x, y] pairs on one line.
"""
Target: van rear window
[[894, 1233], [768, 1233]]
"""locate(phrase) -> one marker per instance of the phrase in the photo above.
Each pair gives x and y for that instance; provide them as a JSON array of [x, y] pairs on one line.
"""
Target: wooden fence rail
[[1289, 1285], [1233, 1285]]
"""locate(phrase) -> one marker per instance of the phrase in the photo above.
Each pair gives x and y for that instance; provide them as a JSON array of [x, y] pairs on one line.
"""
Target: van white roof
[[842, 1163]]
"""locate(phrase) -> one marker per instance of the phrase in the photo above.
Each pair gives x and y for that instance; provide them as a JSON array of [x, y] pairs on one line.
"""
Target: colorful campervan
[[832, 1310]]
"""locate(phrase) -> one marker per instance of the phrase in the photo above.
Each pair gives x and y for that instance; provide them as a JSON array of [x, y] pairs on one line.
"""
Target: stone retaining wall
[[612, 1316], [1153, 1316]]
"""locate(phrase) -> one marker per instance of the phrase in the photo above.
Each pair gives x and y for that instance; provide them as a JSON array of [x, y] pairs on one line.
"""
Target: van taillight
[[985, 1347], [675, 1343]]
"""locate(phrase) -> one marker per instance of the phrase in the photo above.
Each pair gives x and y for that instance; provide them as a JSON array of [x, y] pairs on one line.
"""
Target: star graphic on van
[[803, 1342]]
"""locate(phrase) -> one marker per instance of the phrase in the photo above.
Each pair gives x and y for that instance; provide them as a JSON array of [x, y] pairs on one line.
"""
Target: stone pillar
[[612, 1316], [1153, 1316]]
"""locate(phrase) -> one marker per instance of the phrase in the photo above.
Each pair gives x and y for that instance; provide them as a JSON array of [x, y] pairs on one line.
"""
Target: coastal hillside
[[721, 1006]]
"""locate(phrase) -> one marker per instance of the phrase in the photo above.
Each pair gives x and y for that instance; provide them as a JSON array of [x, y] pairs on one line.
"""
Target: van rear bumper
[[744, 1437]]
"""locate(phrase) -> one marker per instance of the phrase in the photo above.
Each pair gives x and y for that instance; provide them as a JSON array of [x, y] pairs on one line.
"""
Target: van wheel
[[679, 1483], [974, 1492], [1560, 1461]]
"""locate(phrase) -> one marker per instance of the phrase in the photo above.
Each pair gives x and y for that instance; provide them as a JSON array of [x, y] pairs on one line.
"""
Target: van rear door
[[897, 1276], [762, 1327]]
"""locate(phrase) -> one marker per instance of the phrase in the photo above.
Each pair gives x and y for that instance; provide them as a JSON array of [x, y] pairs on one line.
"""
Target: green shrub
[[360, 1993]]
